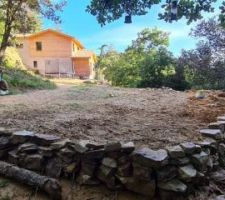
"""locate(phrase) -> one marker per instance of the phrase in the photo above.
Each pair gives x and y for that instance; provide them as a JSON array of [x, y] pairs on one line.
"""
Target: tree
[[109, 10], [17, 15]]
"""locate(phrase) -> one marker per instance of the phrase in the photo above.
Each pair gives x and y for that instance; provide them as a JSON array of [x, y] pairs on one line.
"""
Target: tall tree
[[16, 15]]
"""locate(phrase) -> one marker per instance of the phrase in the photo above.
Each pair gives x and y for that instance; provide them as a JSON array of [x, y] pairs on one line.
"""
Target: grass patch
[[21, 80]]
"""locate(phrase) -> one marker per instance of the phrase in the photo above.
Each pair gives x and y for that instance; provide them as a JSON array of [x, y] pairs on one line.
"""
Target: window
[[35, 64], [39, 46], [20, 45]]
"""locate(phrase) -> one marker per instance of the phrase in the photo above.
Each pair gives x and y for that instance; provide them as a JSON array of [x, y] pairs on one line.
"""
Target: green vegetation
[[148, 63]]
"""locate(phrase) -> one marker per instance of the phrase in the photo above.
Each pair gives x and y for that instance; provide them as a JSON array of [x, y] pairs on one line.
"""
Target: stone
[[217, 125], [221, 149], [187, 173], [66, 155], [13, 157], [220, 197], [174, 185], [212, 133], [176, 152], [146, 188], [28, 148], [150, 158], [166, 173], [84, 179], [45, 139], [45, 151], [91, 145], [190, 148], [128, 147], [200, 160], [210, 144], [77, 148], [54, 168], [112, 146], [124, 170], [6, 132], [4, 142], [141, 172], [93, 155], [109, 162], [180, 161], [19, 137], [71, 168], [33, 162], [221, 118], [59, 144], [104, 173], [89, 167]]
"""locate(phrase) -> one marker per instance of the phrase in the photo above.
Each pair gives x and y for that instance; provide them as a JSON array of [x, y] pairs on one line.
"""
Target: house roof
[[84, 53], [53, 31]]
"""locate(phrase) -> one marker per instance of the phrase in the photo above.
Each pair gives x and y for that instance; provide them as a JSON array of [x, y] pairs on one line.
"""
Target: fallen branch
[[49, 185]]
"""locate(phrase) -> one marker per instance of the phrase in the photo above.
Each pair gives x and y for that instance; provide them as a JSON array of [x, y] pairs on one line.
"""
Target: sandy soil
[[152, 117]]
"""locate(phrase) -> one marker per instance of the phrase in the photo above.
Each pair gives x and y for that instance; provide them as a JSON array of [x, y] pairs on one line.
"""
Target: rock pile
[[168, 173]]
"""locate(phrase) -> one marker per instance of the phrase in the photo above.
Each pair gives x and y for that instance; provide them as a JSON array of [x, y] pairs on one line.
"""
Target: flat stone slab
[[28, 148], [150, 158], [176, 151], [187, 173], [174, 185], [91, 145], [221, 118], [190, 148], [19, 137], [45, 139], [212, 133]]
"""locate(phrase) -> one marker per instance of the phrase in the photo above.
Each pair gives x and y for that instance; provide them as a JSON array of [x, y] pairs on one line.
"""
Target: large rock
[[190, 148], [212, 133], [19, 137], [45, 139], [187, 173], [174, 185], [146, 188], [200, 160], [176, 151], [150, 158]]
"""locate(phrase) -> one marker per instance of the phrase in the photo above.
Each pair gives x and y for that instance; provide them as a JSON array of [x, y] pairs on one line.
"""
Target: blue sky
[[82, 25]]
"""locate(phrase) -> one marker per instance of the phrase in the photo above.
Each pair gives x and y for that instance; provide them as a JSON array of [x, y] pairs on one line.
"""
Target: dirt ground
[[151, 117]]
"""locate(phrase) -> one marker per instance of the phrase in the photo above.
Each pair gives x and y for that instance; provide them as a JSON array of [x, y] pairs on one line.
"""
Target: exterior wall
[[82, 67]]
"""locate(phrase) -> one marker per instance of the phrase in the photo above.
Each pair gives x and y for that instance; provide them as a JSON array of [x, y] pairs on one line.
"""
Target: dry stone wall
[[170, 173]]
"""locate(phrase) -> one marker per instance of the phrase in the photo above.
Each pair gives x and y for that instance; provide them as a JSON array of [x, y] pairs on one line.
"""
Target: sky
[[83, 26]]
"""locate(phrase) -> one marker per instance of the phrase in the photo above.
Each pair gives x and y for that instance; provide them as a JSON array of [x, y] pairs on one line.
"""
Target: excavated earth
[[150, 117]]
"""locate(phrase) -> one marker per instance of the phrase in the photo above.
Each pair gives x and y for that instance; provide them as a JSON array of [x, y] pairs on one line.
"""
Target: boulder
[[19, 137], [174, 185], [200, 160], [45, 139], [150, 158], [176, 151], [146, 188], [190, 148], [141, 172], [187, 173], [212, 133]]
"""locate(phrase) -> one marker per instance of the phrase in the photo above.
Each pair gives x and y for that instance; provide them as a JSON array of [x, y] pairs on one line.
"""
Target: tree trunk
[[49, 185]]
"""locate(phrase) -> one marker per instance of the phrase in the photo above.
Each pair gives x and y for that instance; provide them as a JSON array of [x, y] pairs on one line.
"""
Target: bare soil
[[151, 117]]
